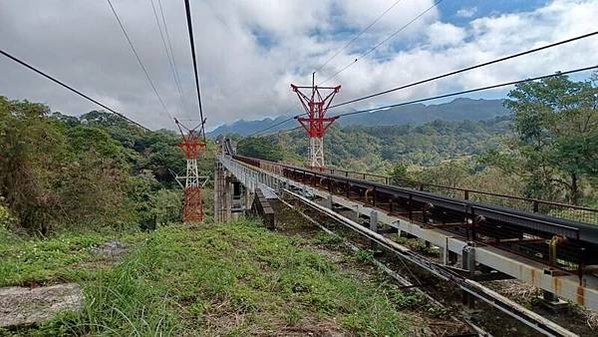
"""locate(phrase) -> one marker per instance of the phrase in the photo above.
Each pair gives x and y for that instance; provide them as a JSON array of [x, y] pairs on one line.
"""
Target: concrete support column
[[329, 201], [468, 263], [374, 228]]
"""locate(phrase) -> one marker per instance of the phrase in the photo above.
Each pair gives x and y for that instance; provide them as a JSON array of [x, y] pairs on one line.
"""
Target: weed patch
[[232, 279]]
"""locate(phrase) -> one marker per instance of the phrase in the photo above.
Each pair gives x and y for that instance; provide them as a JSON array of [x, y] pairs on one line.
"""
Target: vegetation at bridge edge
[[94, 171]]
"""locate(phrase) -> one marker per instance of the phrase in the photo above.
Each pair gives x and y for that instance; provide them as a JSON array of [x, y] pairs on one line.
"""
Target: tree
[[94, 171], [259, 147], [556, 125], [31, 146]]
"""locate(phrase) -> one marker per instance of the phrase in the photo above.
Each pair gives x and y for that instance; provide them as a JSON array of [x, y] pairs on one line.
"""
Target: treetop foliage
[[95, 170]]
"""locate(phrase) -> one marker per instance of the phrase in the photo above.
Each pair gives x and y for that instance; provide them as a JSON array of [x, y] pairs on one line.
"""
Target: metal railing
[[550, 208]]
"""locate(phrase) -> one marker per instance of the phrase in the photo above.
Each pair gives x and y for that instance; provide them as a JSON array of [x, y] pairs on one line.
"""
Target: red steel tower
[[316, 123], [193, 146]]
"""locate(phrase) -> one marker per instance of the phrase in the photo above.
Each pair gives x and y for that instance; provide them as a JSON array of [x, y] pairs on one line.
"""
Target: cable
[[358, 35], [149, 79], [468, 91], [383, 41], [166, 50], [30, 67], [277, 124], [442, 96], [436, 97], [273, 126], [480, 65], [192, 42]]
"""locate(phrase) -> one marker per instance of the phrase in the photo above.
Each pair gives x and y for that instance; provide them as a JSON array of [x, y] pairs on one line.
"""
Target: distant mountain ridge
[[416, 114]]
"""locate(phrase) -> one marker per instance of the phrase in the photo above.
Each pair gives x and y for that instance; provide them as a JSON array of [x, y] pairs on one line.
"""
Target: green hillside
[[379, 148]]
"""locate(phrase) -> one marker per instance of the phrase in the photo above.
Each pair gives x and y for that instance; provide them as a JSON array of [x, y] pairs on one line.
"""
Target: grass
[[58, 259], [235, 279]]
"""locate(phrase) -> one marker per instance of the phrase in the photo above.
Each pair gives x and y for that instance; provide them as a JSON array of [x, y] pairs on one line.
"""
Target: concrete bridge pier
[[231, 198]]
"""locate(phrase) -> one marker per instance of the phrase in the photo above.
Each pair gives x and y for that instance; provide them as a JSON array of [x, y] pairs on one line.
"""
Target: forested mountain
[[545, 148], [458, 110], [244, 128], [92, 171], [378, 148]]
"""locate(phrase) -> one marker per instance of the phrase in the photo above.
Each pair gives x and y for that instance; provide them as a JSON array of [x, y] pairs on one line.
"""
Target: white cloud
[[467, 12], [80, 43], [444, 34]]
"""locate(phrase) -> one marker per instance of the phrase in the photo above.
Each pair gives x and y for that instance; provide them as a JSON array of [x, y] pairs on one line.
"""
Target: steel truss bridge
[[493, 242]]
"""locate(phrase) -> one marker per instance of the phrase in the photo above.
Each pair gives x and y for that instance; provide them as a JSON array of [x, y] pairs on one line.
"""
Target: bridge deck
[[563, 284]]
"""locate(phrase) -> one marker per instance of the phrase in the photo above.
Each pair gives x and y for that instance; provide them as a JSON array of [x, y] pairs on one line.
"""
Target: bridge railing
[[550, 208], [554, 209]]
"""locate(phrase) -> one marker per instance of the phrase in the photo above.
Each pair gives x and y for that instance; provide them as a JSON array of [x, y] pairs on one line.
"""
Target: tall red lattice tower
[[316, 123], [193, 146]]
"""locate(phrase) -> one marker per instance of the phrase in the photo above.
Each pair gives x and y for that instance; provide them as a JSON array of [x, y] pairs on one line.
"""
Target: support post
[[468, 263], [374, 228], [193, 146], [316, 124]]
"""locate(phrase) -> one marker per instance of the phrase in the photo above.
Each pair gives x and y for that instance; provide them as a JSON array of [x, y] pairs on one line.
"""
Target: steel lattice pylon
[[193, 146], [316, 123]]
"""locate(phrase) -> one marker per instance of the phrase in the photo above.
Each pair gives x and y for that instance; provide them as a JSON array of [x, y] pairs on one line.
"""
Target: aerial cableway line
[[437, 77], [193, 55], [462, 70], [68, 87], [458, 93], [469, 91], [138, 58]]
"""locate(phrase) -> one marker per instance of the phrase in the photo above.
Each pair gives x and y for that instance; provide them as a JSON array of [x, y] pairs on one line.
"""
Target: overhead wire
[[358, 35], [143, 68], [276, 124], [462, 70], [463, 92], [273, 126], [192, 44], [166, 45], [66, 86], [389, 37], [455, 72], [468, 91]]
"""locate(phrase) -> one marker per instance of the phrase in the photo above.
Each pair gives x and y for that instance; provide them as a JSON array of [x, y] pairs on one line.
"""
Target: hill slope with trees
[[459, 109], [92, 171], [546, 148]]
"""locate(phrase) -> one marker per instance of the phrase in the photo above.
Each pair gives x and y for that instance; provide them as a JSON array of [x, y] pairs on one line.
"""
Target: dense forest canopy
[[93, 171]]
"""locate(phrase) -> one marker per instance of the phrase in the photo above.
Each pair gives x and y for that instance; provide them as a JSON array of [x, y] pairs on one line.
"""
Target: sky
[[250, 51]]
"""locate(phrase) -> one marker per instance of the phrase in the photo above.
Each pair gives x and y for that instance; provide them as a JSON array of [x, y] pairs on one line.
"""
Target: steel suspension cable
[[192, 43], [68, 87], [143, 68], [358, 35], [421, 100], [166, 50], [277, 124], [273, 126], [455, 72], [383, 41], [468, 91]]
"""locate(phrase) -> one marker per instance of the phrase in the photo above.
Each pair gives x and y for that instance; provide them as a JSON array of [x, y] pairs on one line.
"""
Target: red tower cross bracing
[[193, 145], [316, 123]]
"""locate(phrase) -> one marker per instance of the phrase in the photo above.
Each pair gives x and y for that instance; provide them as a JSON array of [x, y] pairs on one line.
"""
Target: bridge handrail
[[551, 208]]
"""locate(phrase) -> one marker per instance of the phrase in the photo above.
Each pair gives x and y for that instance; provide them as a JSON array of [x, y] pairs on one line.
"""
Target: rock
[[110, 249], [23, 306]]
